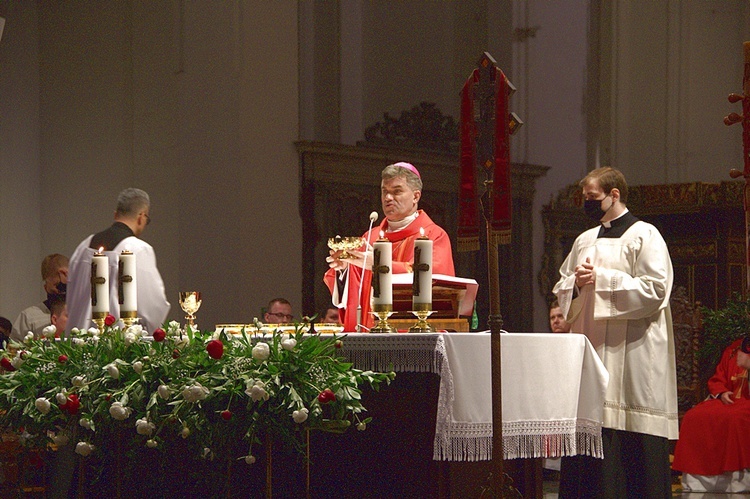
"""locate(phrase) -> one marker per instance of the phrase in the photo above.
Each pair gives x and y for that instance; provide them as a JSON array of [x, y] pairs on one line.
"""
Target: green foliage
[[92, 388], [720, 328]]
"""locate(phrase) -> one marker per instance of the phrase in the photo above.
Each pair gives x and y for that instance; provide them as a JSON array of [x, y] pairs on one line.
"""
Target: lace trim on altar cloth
[[457, 441], [411, 354]]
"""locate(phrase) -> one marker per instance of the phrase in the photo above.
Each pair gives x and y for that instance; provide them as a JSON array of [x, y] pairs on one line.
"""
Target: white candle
[[422, 287], [99, 282], [382, 263], [126, 287]]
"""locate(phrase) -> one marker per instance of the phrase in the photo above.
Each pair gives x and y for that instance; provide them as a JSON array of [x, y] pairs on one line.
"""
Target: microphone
[[373, 218]]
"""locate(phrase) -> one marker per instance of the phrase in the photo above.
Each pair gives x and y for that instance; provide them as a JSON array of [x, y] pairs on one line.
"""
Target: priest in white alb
[[350, 279], [131, 218], [614, 287]]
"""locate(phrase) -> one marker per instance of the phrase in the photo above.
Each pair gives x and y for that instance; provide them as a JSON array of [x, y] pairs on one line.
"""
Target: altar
[[431, 434]]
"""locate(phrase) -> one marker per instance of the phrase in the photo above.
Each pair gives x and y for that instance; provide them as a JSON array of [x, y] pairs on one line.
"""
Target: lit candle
[[422, 284], [99, 284], [126, 286], [382, 282]]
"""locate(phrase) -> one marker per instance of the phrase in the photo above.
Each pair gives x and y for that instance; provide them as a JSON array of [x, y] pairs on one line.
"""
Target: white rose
[[60, 439], [29, 336], [143, 427], [42, 405], [84, 448], [138, 366], [185, 432], [129, 339], [119, 411], [173, 328], [86, 423], [182, 341], [94, 330], [164, 392], [78, 381], [250, 459], [78, 341], [208, 454], [135, 329], [261, 351], [61, 398], [300, 416], [75, 331], [289, 344], [194, 393], [113, 371], [361, 426], [49, 331], [151, 443], [257, 393], [18, 360]]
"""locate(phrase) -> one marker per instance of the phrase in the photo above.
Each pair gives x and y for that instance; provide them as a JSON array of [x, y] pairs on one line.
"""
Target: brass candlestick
[[422, 311], [382, 312], [129, 318], [98, 318]]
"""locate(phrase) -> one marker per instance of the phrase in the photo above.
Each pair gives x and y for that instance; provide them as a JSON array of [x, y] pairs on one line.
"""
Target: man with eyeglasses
[[279, 311], [36, 317], [131, 219]]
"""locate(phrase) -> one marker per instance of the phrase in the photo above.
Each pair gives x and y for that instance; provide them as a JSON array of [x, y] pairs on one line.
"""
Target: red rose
[[338, 344], [5, 364], [159, 334], [215, 349], [226, 415], [175, 354], [108, 397], [72, 405], [109, 320], [62, 359], [326, 396]]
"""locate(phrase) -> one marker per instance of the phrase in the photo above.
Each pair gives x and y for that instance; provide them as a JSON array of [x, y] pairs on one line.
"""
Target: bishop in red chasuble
[[715, 434], [349, 279]]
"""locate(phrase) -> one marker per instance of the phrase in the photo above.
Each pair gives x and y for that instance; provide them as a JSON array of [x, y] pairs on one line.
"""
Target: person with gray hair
[[349, 279], [131, 219]]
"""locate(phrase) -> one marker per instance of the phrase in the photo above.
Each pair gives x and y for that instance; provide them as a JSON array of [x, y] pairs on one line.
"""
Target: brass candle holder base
[[129, 318], [382, 312], [98, 318], [423, 311]]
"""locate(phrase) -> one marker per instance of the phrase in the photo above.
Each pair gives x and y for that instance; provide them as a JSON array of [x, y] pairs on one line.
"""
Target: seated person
[[279, 311], [5, 328], [557, 319], [55, 281], [59, 316], [714, 435], [330, 316]]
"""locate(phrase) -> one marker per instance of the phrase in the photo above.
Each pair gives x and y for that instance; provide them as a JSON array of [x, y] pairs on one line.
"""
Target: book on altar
[[451, 296]]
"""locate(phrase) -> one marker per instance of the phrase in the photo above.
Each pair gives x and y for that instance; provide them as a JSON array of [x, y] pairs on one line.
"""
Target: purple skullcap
[[409, 167]]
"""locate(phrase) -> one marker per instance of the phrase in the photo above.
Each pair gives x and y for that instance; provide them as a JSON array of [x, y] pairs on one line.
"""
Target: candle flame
[[382, 234], [421, 231]]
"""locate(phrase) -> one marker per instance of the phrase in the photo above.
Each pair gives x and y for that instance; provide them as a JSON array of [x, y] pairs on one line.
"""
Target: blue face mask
[[593, 208]]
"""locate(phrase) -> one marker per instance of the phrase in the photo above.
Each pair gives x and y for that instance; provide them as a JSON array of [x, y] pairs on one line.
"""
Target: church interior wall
[[200, 104]]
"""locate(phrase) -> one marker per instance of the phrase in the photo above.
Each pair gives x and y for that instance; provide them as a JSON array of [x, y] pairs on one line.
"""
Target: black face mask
[[593, 208], [59, 292]]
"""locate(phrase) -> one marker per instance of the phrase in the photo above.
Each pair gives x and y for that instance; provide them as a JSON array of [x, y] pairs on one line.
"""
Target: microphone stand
[[362, 277]]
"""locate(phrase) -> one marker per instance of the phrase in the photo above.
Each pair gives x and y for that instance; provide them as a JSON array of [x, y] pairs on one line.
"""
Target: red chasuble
[[403, 258], [715, 437]]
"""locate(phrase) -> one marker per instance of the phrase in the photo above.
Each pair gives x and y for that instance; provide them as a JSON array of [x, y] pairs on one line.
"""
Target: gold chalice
[[190, 302], [345, 244]]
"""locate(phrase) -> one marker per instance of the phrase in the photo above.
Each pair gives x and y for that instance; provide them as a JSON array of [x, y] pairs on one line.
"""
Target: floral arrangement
[[212, 389]]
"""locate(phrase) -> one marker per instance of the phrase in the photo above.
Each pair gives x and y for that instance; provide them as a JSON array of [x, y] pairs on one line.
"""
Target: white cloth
[[540, 419], [153, 306], [34, 318], [731, 482], [626, 316]]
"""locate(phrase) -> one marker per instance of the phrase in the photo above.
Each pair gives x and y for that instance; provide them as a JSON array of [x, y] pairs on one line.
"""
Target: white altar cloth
[[552, 387]]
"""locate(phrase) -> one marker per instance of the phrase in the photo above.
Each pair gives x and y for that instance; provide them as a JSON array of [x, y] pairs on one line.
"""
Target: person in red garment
[[714, 436], [400, 192]]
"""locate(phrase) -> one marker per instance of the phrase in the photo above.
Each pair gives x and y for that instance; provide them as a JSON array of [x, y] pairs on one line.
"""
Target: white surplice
[[627, 318], [153, 306]]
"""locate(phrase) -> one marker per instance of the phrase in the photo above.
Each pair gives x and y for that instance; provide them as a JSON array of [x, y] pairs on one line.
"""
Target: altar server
[[131, 219], [400, 192], [614, 287]]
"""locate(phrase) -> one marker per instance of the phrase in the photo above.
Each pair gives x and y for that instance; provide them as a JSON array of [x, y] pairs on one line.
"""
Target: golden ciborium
[[345, 244], [190, 302]]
